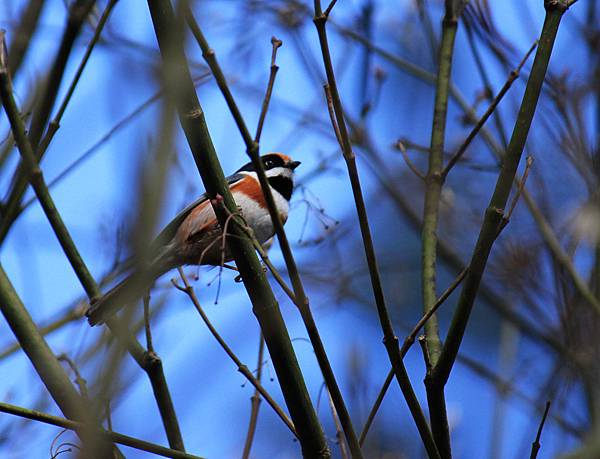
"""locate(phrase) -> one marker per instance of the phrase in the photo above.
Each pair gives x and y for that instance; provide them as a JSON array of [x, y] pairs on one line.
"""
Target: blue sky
[[211, 398]]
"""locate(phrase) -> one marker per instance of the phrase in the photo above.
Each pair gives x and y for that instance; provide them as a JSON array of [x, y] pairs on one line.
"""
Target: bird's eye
[[269, 163]]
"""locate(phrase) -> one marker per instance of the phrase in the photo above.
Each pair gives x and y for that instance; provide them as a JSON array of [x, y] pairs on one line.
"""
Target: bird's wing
[[169, 231]]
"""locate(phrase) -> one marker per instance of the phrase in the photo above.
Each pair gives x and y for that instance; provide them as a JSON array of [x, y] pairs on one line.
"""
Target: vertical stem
[[390, 340], [433, 189], [434, 181], [301, 300], [494, 212]]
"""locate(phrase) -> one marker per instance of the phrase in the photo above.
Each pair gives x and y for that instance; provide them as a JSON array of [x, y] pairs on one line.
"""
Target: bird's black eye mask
[[269, 162]]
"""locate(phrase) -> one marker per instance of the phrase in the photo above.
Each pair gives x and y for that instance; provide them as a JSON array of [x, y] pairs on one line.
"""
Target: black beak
[[293, 164]]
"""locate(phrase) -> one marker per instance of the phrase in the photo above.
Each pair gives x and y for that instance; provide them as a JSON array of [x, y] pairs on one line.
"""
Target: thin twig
[[406, 345], [535, 446], [515, 199], [329, 8], [390, 340], [100, 433], [54, 125], [146, 301], [255, 401], [425, 351], [70, 316], [266, 260], [79, 380], [189, 291], [400, 146], [511, 79], [338, 428], [331, 112], [265, 105]]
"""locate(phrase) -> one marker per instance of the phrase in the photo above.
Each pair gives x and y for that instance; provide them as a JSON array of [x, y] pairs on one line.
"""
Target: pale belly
[[258, 218]]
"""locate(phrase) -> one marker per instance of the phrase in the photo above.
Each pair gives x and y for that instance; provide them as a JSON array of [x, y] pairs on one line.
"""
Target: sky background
[[99, 197]]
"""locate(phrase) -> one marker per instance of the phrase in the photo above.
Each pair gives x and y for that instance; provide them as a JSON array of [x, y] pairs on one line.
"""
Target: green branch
[[300, 298], [153, 367], [434, 181], [495, 210], [101, 433], [265, 306], [48, 367], [389, 338], [78, 12]]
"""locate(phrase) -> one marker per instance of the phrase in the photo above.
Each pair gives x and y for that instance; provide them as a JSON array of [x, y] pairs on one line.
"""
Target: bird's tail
[[129, 290]]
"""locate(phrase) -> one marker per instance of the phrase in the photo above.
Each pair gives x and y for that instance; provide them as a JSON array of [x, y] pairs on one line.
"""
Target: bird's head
[[279, 169]]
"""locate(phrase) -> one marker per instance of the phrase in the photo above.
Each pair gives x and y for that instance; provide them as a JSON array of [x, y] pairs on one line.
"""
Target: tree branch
[[390, 340], [299, 296], [153, 367], [265, 307], [101, 433], [494, 212]]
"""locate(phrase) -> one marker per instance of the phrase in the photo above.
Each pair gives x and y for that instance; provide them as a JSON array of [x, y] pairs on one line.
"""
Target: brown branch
[[400, 146], [330, 110], [146, 301], [265, 105]]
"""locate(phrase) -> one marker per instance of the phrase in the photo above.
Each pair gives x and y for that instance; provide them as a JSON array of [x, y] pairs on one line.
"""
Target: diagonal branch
[[495, 210], [48, 367], [101, 433], [406, 345], [78, 12], [511, 79], [189, 291]]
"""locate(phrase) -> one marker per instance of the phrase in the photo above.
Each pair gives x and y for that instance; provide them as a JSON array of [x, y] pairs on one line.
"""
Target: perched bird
[[193, 237]]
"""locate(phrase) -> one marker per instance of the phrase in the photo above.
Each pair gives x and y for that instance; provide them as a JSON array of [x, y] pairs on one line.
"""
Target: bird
[[193, 237]]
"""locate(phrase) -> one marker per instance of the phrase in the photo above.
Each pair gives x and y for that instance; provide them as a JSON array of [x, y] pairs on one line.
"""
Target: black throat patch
[[283, 185]]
